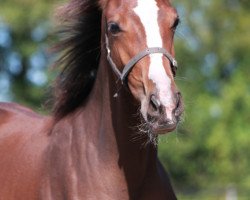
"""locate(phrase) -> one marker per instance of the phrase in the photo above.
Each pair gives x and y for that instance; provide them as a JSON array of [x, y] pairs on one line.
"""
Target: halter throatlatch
[[128, 67]]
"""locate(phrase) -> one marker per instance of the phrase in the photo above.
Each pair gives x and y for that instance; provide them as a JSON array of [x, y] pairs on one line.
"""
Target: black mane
[[79, 46]]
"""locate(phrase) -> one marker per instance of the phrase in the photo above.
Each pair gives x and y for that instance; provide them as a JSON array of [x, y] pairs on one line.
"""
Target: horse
[[115, 93]]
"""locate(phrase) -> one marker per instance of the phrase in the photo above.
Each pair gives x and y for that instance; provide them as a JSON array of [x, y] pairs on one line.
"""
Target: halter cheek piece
[[128, 67]]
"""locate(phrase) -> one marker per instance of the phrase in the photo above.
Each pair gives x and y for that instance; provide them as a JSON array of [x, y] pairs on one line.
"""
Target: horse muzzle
[[162, 118]]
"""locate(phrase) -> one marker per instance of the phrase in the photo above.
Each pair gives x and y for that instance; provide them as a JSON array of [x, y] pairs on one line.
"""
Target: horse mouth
[[162, 128], [162, 125], [150, 129]]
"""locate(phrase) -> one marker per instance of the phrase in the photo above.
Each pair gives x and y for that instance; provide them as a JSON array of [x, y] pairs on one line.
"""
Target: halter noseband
[[128, 67]]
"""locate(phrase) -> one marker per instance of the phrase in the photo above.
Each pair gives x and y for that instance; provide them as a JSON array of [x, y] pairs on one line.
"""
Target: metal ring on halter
[[128, 67]]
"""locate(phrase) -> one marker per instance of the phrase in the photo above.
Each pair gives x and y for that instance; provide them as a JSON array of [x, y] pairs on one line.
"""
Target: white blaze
[[147, 10]]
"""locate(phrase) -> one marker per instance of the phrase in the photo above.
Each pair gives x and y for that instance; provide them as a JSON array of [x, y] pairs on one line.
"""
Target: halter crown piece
[[128, 67]]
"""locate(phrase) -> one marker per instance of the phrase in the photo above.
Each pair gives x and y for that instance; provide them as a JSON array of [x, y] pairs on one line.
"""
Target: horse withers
[[114, 95]]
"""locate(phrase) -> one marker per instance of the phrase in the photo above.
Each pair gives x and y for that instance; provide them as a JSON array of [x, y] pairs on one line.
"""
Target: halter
[[128, 67]]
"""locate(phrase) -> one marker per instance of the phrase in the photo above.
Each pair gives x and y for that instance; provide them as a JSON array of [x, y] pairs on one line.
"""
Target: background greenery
[[208, 157]]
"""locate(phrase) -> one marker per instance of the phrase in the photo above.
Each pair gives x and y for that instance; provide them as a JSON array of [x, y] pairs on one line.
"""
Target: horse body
[[77, 159], [22, 143], [86, 150], [98, 160]]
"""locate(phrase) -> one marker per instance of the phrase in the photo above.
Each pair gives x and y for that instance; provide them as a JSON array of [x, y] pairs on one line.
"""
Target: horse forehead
[[125, 6], [148, 11], [119, 7]]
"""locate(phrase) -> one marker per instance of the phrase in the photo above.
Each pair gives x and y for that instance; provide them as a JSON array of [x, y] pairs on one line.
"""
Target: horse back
[[23, 140]]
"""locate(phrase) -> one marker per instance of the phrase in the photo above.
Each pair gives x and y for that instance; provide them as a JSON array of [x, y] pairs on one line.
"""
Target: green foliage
[[24, 17], [210, 149]]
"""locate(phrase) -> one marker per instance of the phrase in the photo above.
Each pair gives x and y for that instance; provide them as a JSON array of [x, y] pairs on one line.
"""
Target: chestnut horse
[[117, 61]]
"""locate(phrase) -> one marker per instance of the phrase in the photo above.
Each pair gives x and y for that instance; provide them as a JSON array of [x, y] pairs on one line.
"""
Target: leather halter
[[128, 67]]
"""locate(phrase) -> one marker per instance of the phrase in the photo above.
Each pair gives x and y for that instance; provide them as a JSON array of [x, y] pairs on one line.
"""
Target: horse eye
[[113, 28]]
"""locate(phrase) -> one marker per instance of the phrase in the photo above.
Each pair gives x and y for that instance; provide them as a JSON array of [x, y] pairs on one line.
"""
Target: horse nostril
[[155, 104], [178, 98], [178, 108]]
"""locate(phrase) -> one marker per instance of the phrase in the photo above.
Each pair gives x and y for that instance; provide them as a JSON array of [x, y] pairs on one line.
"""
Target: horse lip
[[163, 128]]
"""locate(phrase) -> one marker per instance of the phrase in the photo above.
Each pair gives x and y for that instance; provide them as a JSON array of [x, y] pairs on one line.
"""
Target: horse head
[[140, 47]]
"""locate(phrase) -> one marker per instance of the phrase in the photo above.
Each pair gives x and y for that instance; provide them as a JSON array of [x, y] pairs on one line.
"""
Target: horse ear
[[103, 4]]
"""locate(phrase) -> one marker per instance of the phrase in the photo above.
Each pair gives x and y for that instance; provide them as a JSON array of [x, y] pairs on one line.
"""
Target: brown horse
[[117, 60]]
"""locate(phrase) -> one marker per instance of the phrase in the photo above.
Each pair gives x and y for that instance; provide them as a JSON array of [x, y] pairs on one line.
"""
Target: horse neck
[[119, 114], [97, 139], [113, 128]]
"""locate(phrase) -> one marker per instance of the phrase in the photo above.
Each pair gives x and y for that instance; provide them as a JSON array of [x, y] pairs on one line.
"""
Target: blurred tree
[[24, 29], [213, 50]]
